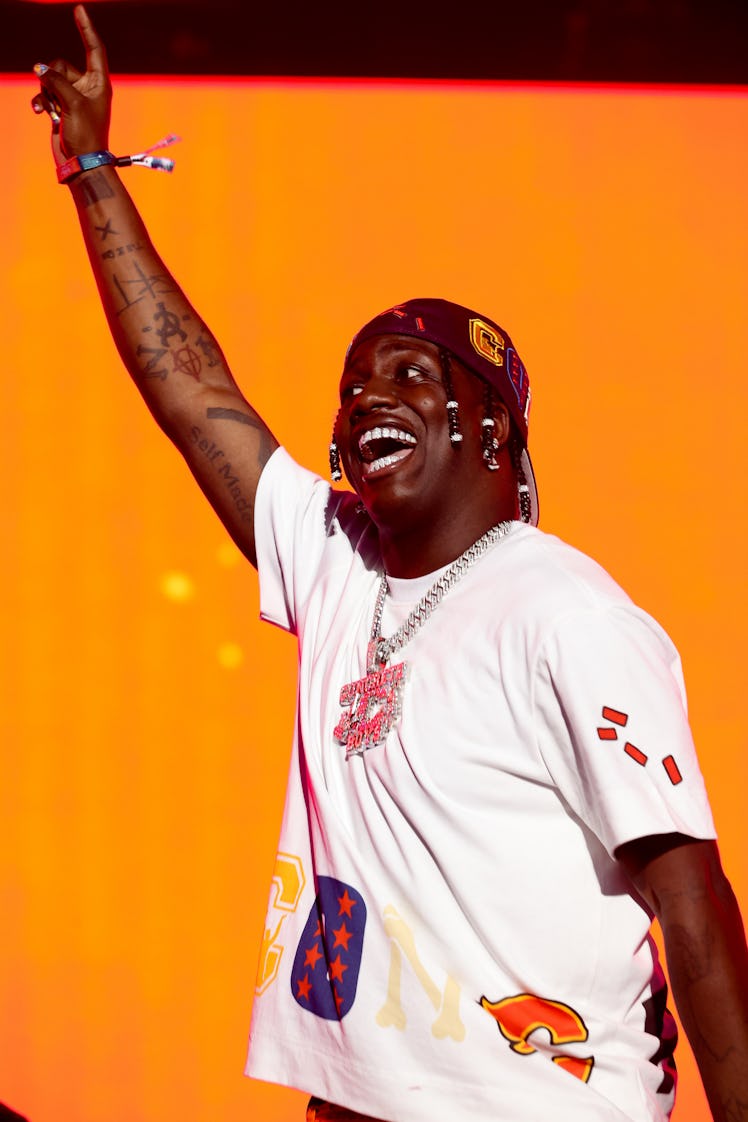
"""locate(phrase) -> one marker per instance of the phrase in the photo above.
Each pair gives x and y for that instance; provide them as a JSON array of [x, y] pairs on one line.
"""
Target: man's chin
[[388, 507]]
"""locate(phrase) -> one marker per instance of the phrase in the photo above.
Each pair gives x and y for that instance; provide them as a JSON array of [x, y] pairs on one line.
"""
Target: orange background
[[146, 713]]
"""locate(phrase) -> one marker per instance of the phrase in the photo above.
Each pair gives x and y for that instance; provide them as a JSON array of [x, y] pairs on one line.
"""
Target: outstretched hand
[[78, 103]]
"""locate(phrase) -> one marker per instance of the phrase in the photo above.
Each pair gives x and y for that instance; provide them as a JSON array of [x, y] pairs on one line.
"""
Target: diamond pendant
[[371, 705], [375, 659]]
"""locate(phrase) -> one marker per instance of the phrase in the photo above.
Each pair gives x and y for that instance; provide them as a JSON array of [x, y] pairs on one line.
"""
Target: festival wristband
[[73, 167], [76, 164]]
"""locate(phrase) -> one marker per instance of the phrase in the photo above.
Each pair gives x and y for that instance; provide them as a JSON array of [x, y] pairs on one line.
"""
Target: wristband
[[76, 164], [73, 167]]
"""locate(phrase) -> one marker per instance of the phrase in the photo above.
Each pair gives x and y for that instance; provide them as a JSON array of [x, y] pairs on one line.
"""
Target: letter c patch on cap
[[487, 342]]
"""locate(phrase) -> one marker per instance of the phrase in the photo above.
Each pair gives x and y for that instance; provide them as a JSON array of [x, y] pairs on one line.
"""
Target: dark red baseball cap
[[479, 344]]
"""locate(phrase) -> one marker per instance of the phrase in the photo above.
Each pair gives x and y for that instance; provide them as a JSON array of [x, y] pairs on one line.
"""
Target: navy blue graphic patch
[[518, 375], [328, 957]]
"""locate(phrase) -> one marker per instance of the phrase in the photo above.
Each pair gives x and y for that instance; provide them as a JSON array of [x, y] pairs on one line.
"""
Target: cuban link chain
[[371, 706], [381, 649]]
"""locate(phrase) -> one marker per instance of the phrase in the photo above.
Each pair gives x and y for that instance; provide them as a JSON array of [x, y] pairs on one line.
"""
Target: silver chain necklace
[[372, 705]]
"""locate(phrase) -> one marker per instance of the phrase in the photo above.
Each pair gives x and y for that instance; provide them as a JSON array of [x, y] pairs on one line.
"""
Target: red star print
[[312, 956], [342, 936], [345, 903], [338, 999], [305, 987], [318, 932], [337, 969]]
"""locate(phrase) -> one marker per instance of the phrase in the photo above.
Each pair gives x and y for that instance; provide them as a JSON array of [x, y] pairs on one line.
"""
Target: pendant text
[[370, 708]]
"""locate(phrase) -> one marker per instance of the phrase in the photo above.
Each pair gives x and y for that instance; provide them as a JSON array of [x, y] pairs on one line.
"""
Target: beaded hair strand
[[453, 419], [335, 471], [489, 443], [523, 491]]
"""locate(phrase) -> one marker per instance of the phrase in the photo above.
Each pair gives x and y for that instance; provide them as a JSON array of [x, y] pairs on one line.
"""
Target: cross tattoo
[[105, 231]]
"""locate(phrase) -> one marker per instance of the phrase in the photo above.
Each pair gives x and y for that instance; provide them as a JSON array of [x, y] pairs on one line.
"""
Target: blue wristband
[[76, 164]]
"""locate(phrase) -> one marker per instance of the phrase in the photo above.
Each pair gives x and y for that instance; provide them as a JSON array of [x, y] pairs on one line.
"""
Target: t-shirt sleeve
[[612, 725], [290, 513]]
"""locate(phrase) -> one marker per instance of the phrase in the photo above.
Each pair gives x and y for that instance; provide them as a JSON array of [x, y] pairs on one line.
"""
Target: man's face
[[393, 431]]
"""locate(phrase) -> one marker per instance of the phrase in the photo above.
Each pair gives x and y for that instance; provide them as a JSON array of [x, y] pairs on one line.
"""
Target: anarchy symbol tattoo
[[169, 324]]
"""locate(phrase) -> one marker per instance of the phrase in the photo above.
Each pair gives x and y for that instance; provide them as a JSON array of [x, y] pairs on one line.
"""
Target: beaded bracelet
[[73, 167]]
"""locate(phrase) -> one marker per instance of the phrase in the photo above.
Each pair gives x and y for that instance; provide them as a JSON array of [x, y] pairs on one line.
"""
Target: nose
[[377, 392]]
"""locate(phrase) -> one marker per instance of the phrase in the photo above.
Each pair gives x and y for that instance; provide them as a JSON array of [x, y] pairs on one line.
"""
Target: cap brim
[[531, 486]]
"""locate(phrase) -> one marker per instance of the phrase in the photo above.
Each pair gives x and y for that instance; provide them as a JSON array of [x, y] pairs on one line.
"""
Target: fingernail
[[37, 107], [40, 68]]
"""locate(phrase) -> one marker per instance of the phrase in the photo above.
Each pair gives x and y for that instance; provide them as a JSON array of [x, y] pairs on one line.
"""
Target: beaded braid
[[334, 452], [453, 417], [490, 447], [489, 443], [523, 491]]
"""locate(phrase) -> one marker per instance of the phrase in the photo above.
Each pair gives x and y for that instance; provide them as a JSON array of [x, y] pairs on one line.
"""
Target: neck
[[411, 553]]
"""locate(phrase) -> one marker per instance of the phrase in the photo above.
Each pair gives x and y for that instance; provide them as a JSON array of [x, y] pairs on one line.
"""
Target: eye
[[351, 389], [412, 373]]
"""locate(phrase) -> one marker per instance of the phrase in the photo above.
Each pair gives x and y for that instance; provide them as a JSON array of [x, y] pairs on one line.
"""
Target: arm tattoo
[[106, 230], [233, 415], [217, 457], [120, 250], [135, 288], [92, 188], [208, 346], [153, 356], [267, 442]]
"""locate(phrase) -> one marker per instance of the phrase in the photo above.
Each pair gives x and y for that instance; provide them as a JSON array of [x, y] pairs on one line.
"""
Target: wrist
[[73, 167]]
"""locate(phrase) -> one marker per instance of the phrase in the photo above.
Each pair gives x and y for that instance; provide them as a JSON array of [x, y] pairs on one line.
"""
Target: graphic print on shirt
[[328, 958], [287, 886], [518, 1017], [446, 1004], [619, 719]]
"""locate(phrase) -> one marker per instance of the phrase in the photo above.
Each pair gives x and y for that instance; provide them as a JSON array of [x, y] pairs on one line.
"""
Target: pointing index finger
[[96, 61]]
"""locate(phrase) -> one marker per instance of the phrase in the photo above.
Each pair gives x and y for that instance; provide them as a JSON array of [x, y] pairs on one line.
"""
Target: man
[[493, 786]]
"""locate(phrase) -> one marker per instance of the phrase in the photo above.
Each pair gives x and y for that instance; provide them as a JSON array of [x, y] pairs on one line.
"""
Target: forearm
[[708, 967], [169, 352], [171, 355]]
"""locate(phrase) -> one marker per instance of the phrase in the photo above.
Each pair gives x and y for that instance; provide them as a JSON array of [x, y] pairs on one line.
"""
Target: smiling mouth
[[382, 447]]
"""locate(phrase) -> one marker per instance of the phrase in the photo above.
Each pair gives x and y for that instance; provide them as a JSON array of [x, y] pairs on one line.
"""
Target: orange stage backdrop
[[146, 713]]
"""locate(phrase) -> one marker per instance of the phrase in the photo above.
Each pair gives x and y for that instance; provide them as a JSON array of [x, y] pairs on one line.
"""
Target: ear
[[503, 427]]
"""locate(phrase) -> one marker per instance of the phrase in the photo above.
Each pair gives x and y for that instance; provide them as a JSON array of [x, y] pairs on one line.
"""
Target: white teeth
[[386, 433], [385, 461]]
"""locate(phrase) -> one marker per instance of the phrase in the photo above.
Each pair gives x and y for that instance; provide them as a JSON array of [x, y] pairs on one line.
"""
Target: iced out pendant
[[371, 706]]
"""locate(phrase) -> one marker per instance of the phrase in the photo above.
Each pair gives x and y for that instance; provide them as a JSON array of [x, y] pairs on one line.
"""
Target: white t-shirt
[[448, 933]]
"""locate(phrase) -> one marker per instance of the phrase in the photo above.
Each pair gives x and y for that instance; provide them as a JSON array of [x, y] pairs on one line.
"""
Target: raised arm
[[683, 883], [171, 355]]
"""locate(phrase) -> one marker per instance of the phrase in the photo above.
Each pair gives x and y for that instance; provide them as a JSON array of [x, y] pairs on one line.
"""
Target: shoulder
[[557, 598], [537, 577], [292, 500], [552, 569]]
